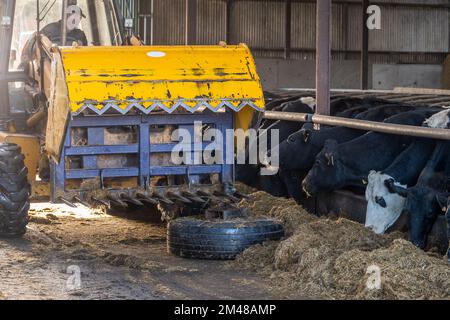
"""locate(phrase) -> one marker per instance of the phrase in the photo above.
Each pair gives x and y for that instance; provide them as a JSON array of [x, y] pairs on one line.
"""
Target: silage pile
[[287, 210], [326, 258]]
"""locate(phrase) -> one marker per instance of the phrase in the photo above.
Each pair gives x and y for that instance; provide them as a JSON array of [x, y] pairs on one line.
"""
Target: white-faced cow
[[384, 207]]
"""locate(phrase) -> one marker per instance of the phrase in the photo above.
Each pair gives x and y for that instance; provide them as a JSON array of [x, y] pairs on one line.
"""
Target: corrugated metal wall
[[413, 31], [212, 21]]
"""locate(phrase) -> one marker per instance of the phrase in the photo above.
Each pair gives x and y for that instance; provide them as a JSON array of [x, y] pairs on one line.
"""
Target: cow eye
[[318, 162], [291, 139]]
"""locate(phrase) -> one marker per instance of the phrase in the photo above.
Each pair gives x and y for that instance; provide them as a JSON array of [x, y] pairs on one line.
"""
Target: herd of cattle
[[399, 175]]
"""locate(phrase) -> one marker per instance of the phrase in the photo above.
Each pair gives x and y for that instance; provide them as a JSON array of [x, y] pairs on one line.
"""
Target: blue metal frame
[[143, 148]]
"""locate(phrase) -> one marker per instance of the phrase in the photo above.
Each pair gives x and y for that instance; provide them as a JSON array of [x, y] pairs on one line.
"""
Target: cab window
[[25, 25], [98, 24]]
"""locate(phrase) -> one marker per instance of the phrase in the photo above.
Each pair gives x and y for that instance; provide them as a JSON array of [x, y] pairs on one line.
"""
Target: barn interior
[[350, 192]]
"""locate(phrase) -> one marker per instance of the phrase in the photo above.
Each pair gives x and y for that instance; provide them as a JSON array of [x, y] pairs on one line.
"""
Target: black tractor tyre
[[219, 239], [14, 192]]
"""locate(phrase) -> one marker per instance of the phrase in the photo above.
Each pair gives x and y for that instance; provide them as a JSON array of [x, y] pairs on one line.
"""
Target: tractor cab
[[30, 26], [28, 31]]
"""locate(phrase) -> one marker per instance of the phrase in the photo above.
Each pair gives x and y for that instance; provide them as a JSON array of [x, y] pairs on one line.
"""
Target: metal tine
[[161, 198], [209, 196], [84, 203], [218, 193], [103, 202], [68, 202], [146, 198], [129, 199], [117, 201], [193, 197], [178, 197]]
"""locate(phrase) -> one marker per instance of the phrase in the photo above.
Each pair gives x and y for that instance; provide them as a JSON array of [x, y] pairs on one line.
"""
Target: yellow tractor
[[91, 116]]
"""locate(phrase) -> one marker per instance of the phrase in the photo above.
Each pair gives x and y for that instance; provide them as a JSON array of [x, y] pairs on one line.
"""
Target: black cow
[[250, 173], [291, 180], [348, 164], [428, 197], [281, 184], [297, 106], [346, 106], [422, 207], [274, 104], [407, 167], [366, 104], [340, 106], [307, 142], [285, 128], [270, 96]]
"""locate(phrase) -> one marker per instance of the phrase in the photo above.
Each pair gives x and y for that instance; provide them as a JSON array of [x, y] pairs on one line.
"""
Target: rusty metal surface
[[150, 78]]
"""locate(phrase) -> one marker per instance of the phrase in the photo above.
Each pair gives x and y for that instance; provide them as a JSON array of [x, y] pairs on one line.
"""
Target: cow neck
[[353, 179]]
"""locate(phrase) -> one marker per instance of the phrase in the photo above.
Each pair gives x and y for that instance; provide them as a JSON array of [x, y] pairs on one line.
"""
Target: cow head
[[422, 207], [298, 150], [326, 174], [383, 207]]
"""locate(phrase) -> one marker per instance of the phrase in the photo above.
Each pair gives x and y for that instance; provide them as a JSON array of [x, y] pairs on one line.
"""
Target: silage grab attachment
[[113, 109]]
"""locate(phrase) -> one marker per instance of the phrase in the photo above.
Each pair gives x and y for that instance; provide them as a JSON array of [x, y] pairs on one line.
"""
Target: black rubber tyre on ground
[[219, 239], [14, 192]]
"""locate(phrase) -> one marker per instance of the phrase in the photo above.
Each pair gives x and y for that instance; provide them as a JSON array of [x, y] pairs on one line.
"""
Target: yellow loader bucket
[[167, 78]]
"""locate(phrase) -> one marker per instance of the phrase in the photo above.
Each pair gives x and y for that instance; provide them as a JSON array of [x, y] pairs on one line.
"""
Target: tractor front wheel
[[14, 191]]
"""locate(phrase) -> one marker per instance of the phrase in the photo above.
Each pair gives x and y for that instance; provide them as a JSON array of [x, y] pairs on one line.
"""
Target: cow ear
[[392, 188], [442, 200]]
